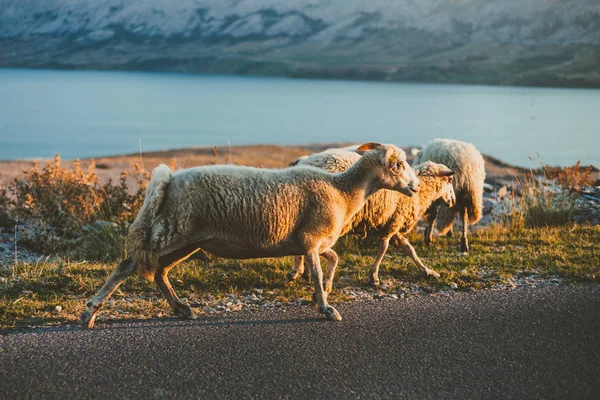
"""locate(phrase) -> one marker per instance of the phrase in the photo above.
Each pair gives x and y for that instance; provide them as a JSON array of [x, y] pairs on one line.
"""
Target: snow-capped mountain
[[377, 39]]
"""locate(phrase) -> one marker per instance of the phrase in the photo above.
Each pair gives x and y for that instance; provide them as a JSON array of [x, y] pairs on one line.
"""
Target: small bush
[[541, 203], [5, 219], [61, 208], [102, 241], [57, 197], [572, 178]]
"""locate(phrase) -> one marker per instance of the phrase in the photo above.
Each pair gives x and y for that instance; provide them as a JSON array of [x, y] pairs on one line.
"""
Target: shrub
[[572, 178], [61, 207], [5, 218], [102, 241], [541, 202]]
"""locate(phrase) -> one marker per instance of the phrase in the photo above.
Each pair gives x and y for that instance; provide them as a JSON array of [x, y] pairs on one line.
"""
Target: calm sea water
[[86, 114]]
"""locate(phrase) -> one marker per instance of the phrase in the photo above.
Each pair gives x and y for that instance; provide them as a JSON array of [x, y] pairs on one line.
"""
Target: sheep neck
[[429, 192], [358, 183]]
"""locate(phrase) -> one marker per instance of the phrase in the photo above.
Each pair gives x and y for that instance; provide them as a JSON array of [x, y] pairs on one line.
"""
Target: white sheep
[[468, 163], [244, 212], [388, 214]]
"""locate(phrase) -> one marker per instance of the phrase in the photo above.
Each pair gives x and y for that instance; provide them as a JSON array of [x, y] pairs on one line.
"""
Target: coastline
[[264, 156]]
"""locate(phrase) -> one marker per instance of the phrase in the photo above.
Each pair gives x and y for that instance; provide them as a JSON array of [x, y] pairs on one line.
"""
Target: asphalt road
[[524, 343]]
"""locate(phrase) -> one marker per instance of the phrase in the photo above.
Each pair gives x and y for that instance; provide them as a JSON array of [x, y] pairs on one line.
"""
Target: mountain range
[[515, 42]]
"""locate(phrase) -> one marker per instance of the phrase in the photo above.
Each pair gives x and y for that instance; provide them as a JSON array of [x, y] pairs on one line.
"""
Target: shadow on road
[[170, 322]]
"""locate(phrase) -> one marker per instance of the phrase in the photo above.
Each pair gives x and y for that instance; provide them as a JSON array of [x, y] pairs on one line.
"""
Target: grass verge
[[500, 256]]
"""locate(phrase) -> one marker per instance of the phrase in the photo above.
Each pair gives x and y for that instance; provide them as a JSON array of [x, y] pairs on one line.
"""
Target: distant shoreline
[[267, 156], [351, 74]]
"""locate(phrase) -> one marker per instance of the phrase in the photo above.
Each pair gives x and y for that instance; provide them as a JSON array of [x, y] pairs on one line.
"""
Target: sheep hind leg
[[162, 281], [123, 270], [166, 263], [332, 262], [409, 250], [464, 242], [374, 272], [431, 216], [319, 295]]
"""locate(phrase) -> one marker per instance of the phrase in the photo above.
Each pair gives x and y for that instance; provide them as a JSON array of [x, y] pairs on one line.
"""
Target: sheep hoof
[[185, 311], [291, 276], [88, 319], [332, 314], [374, 282], [427, 240], [464, 247], [431, 272]]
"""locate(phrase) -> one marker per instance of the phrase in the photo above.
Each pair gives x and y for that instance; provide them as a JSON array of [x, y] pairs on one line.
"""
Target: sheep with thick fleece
[[245, 212], [469, 165], [390, 215]]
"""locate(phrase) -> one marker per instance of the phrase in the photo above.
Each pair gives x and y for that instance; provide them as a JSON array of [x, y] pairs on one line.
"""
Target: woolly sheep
[[390, 215], [244, 212], [464, 159]]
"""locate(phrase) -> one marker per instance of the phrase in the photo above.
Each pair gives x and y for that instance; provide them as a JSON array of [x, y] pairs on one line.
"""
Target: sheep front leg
[[332, 262], [409, 250], [123, 270], [464, 242], [321, 298], [374, 273], [431, 216]]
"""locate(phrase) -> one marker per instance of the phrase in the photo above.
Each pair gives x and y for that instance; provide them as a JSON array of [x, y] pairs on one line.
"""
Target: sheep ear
[[446, 173], [367, 147]]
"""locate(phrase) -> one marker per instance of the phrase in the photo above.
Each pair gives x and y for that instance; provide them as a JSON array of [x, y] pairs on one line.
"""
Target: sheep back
[[248, 207]]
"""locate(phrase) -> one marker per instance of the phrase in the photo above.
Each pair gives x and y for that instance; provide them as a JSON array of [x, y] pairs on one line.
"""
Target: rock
[[384, 286], [489, 205], [3, 279], [453, 286], [58, 309], [502, 192]]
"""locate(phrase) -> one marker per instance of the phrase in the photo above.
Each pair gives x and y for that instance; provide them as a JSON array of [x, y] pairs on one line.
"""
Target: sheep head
[[444, 174], [396, 173]]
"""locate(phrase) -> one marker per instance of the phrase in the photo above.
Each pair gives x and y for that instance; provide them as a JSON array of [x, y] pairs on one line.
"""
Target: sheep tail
[[474, 204], [139, 238]]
